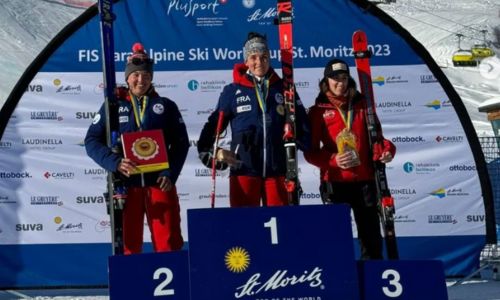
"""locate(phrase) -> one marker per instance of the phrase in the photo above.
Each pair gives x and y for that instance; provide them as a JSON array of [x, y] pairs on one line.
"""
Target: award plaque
[[147, 149]]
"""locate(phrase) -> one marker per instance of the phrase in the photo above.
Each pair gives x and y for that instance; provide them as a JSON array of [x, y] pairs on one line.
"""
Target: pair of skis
[[292, 183], [385, 200], [116, 193]]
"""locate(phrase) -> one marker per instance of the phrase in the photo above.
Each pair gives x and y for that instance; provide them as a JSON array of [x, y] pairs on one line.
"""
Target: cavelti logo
[[59, 175]]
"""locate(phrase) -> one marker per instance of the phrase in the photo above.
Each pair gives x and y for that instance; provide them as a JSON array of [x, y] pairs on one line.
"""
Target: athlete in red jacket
[[340, 148]]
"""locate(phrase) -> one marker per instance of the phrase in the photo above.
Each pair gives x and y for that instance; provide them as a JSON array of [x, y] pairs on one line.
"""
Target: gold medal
[[346, 142]]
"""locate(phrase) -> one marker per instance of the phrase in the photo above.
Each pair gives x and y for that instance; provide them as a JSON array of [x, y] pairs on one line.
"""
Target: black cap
[[335, 67], [138, 61]]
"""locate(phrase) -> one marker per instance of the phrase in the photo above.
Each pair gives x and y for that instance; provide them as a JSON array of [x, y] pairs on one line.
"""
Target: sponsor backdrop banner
[[52, 193]]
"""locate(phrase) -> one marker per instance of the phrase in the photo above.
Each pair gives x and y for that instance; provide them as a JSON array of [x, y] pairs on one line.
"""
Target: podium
[[271, 253], [149, 276]]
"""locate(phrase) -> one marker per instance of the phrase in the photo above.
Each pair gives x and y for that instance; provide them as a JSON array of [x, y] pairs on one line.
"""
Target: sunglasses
[[140, 61]]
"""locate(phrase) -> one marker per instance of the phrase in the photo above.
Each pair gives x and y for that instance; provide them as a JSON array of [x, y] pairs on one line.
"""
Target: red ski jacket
[[326, 123]]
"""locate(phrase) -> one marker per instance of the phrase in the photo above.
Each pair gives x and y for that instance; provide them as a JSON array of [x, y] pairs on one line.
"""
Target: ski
[[284, 11], [116, 194], [385, 201]]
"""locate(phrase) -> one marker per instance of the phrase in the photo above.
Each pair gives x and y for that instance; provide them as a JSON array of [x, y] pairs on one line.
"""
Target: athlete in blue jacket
[[153, 194], [254, 107]]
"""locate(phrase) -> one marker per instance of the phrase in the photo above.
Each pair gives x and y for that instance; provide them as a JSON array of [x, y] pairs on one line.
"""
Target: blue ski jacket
[[160, 113], [256, 126]]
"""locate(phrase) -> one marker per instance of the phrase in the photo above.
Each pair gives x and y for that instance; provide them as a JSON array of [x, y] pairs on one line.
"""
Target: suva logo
[[29, 227], [85, 115], [89, 199], [408, 167], [475, 218], [34, 88], [193, 85]]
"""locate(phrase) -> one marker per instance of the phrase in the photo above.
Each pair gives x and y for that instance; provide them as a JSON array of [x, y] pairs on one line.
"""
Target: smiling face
[[338, 84], [139, 82], [258, 63]]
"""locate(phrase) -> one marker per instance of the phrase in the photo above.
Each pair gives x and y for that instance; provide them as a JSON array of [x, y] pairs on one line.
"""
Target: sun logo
[[237, 259]]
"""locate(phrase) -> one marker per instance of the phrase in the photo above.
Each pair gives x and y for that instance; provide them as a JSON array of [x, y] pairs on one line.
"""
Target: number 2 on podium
[[160, 289], [271, 224]]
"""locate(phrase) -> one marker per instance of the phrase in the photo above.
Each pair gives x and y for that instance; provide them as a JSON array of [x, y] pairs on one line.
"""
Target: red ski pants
[[249, 190], [163, 216]]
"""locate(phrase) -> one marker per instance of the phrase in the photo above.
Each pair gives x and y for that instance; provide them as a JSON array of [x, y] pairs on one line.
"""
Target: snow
[[435, 24], [27, 26]]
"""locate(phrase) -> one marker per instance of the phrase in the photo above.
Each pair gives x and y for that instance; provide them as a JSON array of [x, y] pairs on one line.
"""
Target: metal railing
[[491, 151]]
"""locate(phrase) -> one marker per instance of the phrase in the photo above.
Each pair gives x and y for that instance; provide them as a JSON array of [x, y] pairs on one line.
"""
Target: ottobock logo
[[15, 175], [408, 139]]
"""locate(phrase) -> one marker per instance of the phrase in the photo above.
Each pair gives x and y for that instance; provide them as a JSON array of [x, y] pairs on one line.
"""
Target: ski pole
[[214, 156]]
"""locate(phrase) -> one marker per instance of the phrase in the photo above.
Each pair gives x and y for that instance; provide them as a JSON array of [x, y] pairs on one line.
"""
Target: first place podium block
[[296, 252]]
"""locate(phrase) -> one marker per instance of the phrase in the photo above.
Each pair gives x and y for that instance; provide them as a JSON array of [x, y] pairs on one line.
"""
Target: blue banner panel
[[149, 276], [402, 279], [209, 35], [272, 253]]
